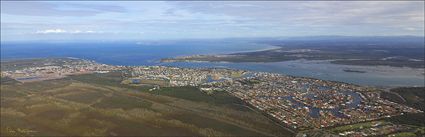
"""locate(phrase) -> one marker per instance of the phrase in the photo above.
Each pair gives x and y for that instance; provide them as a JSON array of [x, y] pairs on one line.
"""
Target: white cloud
[[62, 31], [413, 29], [50, 31], [193, 19]]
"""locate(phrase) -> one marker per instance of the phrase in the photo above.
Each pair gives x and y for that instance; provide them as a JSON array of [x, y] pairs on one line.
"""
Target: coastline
[[271, 47], [375, 76]]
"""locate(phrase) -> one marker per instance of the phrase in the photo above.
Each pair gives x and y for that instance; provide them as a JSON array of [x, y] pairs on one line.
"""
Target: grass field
[[98, 105]]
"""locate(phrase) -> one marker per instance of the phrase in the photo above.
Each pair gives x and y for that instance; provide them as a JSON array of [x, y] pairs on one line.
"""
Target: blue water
[[122, 53], [315, 112], [130, 53], [28, 78], [382, 78]]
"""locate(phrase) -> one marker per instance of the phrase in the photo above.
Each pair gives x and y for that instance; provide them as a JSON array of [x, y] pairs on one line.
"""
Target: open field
[[143, 82], [23, 63], [97, 104]]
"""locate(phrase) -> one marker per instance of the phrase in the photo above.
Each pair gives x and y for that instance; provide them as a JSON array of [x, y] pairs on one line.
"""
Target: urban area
[[296, 102]]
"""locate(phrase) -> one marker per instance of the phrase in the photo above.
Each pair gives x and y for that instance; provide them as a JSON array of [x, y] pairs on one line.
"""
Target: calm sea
[[133, 54]]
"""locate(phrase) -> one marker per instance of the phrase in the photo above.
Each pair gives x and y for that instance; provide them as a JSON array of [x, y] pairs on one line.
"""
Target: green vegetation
[[403, 134], [98, 105], [410, 119], [355, 126], [24, 63], [81, 97], [123, 102], [354, 52], [106, 79], [143, 82], [250, 82], [218, 98], [101, 105], [414, 96], [7, 80], [237, 74], [382, 127]]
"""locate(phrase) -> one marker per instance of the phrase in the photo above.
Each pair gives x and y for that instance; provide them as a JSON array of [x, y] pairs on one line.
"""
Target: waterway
[[135, 54]]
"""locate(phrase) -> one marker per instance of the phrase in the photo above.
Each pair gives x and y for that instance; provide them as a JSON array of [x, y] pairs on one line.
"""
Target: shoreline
[[319, 69], [264, 49], [375, 70]]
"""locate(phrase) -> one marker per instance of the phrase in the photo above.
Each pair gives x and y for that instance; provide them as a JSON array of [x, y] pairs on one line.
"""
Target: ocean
[[136, 53]]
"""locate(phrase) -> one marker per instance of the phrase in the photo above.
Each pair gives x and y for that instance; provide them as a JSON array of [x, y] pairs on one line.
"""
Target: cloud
[[208, 19], [36, 8], [62, 31], [51, 31], [384, 13]]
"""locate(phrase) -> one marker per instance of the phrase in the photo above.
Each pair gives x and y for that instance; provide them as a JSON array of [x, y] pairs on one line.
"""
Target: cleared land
[[97, 104]]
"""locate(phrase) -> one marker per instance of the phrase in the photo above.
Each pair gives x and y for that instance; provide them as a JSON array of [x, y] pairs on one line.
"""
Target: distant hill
[[358, 41]]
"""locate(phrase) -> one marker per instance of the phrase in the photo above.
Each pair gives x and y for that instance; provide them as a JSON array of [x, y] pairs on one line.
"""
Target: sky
[[161, 20]]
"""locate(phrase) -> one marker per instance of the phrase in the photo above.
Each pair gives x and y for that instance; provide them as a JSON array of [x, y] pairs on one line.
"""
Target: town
[[304, 103], [55, 69], [296, 102]]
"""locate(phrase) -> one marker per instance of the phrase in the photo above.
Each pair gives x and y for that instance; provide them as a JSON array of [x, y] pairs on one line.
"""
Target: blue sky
[[156, 20]]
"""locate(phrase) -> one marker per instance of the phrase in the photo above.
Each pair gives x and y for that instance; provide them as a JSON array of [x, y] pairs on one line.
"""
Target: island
[[386, 51], [354, 71]]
